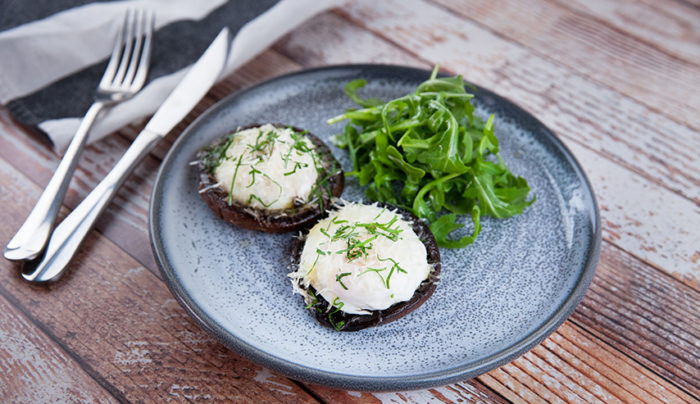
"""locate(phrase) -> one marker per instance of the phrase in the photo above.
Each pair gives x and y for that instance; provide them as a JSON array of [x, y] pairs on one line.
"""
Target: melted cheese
[[360, 284], [259, 158]]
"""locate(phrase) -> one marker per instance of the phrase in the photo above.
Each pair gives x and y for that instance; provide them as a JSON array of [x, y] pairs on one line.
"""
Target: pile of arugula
[[426, 152]]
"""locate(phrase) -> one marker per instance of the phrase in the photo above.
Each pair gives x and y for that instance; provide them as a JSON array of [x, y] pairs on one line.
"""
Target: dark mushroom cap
[[271, 221], [324, 311]]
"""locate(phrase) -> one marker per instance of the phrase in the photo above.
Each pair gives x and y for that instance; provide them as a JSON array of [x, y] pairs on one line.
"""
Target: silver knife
[[68, 236]]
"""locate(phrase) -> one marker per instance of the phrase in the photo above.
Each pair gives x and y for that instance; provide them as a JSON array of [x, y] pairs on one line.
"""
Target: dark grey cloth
[[175, 46]]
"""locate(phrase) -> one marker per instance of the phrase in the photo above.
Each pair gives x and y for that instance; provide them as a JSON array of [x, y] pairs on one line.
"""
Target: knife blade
[[70, 233], [193, 86]]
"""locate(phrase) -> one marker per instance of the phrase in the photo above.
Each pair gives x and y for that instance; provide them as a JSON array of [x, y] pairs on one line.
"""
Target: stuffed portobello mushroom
[[270, 177], [365, 265]]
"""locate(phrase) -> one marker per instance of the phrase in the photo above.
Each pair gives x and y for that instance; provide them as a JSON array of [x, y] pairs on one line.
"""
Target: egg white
[[359, 290], [261, 173]]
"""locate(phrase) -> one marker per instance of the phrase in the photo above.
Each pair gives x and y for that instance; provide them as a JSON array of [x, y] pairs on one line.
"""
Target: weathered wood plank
[[664, 237], [573, 365], [508, 387], [644, 219], [121, 320], [595, 50], [604, 120], [331, 40], [34, 369], [650, 317], [670, 26], [497, 383], [471, 391]]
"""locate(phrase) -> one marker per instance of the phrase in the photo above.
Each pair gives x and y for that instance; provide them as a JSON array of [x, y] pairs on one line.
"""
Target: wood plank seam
[[546, 354], [111, 389], [573, 365], [308, 391], [507, 393], [662, 377], [689, 4], [645, 318], [645, 349], [457, 387], [531, 384], [543, 374], [616, 371], [674, 315]]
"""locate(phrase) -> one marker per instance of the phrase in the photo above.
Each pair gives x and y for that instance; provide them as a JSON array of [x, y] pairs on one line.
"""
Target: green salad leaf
[[427, 152]]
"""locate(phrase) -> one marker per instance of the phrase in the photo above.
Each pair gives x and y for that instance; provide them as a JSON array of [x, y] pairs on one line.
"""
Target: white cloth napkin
[[49, 52]]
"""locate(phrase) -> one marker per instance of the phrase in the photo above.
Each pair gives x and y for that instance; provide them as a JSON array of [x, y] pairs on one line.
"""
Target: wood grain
[[595, 50], [470, 391], [574, 366], [633, 338], [664, 238], [124, 324], [634, 329], [669, 26], [650, 317], [604, 120], [34, 369]]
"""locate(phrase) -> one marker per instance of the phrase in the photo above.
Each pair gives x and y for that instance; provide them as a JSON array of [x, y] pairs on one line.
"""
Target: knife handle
[[68, 236], [31, 238]]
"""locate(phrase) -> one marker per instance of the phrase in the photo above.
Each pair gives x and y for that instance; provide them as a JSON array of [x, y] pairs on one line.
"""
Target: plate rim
[[373, 383]]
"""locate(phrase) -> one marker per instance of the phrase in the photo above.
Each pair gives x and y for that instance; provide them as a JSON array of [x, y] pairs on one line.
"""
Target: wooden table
[[617, 81]]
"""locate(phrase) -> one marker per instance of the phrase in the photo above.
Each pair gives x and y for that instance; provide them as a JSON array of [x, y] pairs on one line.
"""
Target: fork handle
[[31, 238], [68, 236]]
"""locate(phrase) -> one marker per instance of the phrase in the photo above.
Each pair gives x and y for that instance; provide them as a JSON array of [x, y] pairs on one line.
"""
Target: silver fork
[[125, 76]]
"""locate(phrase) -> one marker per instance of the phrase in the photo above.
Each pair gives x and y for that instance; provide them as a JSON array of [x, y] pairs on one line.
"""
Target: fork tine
[[145, 58], [108, 76], [129, 44], [133, 63]]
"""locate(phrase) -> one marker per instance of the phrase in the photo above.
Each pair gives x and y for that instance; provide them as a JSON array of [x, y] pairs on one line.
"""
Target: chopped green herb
[[233, 180], [339, 279], [339, 305], [313, 301], [297, 165], [253, 171], [253, 196], [394, 267], [376, 271]]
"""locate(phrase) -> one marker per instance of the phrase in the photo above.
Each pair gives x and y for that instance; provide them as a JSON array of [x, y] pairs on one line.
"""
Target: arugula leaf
[[351, 91], [429, 153], [446, 224]]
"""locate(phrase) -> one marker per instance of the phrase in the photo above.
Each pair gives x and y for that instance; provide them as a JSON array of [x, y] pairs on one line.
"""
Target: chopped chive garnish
[[339, 305], [233, 180], [339, 279]]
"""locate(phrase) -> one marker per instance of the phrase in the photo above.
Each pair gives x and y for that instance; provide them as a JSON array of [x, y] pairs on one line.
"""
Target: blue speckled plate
[[496, 299]]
